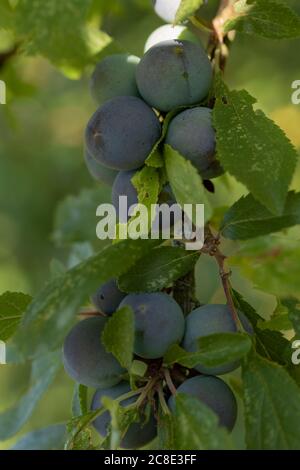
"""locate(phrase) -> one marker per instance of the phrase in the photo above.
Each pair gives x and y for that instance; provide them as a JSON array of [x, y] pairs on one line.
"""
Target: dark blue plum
[[99, 172], [174, 73], [191, 133], [114, 76], [123, 187], [159, 323], [138, 434], [209, 320], [85, 358], [108, 297], [215, 394], [122, 133]]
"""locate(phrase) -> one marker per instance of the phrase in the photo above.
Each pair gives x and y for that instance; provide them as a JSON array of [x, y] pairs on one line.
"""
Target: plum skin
[[99, 172], [138, 434], [108, 297], [85, 358], [114, 76], [122, 133], [174, 73], [208, 320], [191, 133], [214, 393], [159, 323]]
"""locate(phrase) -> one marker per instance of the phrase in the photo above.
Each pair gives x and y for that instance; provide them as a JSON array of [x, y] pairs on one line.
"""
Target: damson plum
[[114, 76], [159, 323], [174, 73], [123, 187], [85, 358], [208, 320], [108, 297], [122, 133], [191, 133], [166, 9], [138, 434], [99, 172], [215, 394]]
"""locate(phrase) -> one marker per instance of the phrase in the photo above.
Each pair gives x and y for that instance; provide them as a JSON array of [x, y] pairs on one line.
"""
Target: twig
[[162, 400], [90, 312], [169, 381]]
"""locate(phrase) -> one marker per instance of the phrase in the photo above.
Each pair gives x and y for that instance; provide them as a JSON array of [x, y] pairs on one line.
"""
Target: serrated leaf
[[43, 373], [50, 438], [186, 9], [60, 32], [185, 180], [75, 218], [213, 350], [12, 308], [79, 435], [270, 19], [196, 427], [270, 344], [247, 218], [158, 269], [272, 406], [80, 400], [253, 148], [52, 312], [118, 336], [280, 323]]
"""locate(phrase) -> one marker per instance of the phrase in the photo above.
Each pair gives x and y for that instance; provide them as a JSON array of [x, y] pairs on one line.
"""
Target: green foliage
[[12, 308], [272, 410], [80, 400], [52, 312], [186, 9], [185, 181], [252, 148], [75, 217], [157, 270], [194, 427], [43, 373], [293, 311], [247, 218], [214, 350], [118, 336], [270, 19]]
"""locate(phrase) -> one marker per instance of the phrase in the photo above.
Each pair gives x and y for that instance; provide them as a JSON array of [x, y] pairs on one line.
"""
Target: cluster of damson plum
[[134, 97], [159, 323]]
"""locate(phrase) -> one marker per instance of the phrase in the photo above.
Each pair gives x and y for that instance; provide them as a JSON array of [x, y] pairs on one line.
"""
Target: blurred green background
[[41, 163]]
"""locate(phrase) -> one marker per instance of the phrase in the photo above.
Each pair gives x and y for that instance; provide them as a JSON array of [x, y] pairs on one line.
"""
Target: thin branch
[[169, 381]]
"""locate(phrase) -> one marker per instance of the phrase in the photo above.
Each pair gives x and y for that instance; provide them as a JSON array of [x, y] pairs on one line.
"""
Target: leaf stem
[[169, 381], [162, 401]]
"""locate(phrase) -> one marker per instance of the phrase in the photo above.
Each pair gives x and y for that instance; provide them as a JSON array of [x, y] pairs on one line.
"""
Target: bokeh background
[[41, 164]]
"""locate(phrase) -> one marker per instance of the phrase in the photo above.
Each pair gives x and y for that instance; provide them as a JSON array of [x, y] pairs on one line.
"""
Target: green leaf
[[186, 9], [247, 218], [6, 15], [79, 435], [293, 306], [272, 408], [118, 336], [52, 312], [75, 218], [146, 182], [60, 32], [51, 438], [12, 307], [196, 427], [158, 269], [165, 432], [80, 400], [214, 350], [185, 181], [43, 373], [253, 148], [270, 344], [266, 18]]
